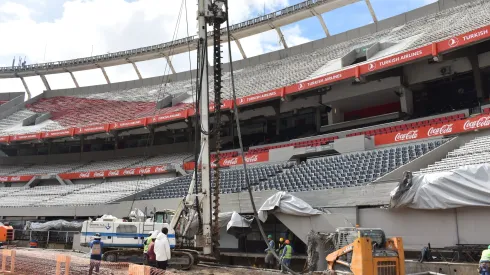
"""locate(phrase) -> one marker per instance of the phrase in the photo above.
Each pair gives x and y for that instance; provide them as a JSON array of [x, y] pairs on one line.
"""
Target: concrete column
[[406, 100], [105, 75], [281, 36], [136, 69], [169, 62], [26, 87], [322, 22], [335, 116], [74, 79], [477, 78], [371, 10], [45, 81], [239, 45], [318, 119]]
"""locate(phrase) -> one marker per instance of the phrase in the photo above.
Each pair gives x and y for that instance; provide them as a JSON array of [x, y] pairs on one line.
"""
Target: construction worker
[[96, 247], [280, 249], [286, 255], [269, 258], [146, 244], [484, 267]]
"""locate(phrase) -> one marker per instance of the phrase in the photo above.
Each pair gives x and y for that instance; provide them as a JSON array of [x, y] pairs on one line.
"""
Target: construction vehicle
[[6, 234], [366, 251]]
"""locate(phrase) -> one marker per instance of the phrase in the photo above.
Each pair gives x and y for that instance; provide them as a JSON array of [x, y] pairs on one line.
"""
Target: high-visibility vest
[[485, 255], [289, 252], [271, 247], [147, 245]]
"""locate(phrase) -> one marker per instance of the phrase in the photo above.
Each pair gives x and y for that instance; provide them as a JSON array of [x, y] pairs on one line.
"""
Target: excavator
[[366, 251]]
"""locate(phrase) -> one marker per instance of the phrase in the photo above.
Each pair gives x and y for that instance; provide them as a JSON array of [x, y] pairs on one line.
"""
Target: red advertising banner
[[149, 170], [129, 124], [441, 129], [255, 158], [25, 137], [395, 60], [320, 81], [5, 139], [15, 178], [93, 129], [167, 117], [277, 93], [464, 39], [61, 133]]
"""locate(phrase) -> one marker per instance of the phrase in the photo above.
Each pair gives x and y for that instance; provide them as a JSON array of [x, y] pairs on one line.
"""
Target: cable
[[240, 142]]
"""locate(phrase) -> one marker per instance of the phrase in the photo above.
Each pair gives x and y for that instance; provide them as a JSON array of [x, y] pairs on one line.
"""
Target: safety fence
[[45, 238], [43, 262]]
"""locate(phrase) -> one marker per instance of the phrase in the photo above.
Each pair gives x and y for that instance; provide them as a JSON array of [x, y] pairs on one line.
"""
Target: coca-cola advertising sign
[[117, 173], [441, 129], [15, 178], [260, 157]]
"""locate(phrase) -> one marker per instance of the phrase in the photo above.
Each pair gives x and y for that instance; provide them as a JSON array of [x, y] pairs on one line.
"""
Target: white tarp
[[465, 186], [285, 203], [238, 221], [54, 225]]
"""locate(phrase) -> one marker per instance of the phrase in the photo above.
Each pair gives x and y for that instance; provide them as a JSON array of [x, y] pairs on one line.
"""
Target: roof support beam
[[135, 68], [239, 45], [281, 36], [104, 73], [45, 81], [371, 10], [25, 87], [73, 78], [169, 62], [322, 22]]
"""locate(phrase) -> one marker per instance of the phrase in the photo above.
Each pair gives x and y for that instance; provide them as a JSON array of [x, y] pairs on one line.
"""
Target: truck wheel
[[112, 257]]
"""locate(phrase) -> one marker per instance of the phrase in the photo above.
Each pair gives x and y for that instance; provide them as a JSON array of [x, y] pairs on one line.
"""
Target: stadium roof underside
[[254, 26]]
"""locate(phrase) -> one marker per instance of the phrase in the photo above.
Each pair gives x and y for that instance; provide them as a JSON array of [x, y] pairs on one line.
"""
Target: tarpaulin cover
[[238, 221], [54, 225], [285, 203], [466, 186]]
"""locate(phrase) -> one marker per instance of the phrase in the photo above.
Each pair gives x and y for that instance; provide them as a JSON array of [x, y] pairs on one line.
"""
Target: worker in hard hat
[[96, 247], [286, 255], [484, 267], [269, 258], [146, 245], [280, 249]]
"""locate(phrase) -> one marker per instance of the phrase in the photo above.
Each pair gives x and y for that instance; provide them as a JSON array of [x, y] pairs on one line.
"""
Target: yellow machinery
[[6, 233], [364, 251]]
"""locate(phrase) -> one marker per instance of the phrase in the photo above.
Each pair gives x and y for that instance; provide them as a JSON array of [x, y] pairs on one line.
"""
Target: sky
[[54, 30]]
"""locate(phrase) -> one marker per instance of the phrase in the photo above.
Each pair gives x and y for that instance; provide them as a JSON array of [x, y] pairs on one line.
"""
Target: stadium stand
[[78, 194], [472, 152], [76, 111], [347, 170]]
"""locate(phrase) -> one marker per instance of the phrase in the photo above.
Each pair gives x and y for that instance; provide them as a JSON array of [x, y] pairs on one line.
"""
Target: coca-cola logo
[[99, 174], [230, 162], [15, 178], [480, 123], [407, 136], [84, 175], [113, 173], [4, 178], [161, 169], [129, 172], [146, 170], [444, 129], [253, 158]]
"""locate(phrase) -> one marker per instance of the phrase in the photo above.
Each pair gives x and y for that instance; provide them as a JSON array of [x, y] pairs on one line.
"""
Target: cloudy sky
[[54, 30]]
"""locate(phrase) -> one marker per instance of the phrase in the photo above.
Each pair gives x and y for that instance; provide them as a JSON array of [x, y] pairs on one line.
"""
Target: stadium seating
[[473, 152], [74, 195], [96, 108]]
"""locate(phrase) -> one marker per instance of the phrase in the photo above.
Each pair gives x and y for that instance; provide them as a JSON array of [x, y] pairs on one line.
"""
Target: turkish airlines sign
[[464, 39], [320, 81], [61, 133], [129, 124], [168, 117], [278, 93], [93, 129], [150, 170], [395, 60], [15, 178], [25, 137], [441, 129]]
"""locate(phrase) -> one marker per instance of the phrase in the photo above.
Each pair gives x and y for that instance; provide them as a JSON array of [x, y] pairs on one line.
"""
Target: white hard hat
[[154, 234]]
